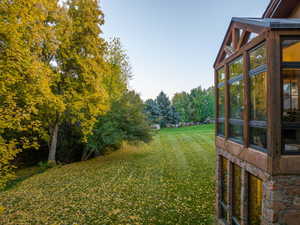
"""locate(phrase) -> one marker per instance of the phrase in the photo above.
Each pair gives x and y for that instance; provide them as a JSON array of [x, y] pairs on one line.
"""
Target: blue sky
[[172, 44]]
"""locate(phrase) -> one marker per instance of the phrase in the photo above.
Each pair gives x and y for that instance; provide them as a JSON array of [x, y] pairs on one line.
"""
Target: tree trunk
[[52, 149]]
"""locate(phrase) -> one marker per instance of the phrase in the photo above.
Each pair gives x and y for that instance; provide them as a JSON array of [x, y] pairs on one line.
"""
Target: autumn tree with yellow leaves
[[52, 70], [25, 80]]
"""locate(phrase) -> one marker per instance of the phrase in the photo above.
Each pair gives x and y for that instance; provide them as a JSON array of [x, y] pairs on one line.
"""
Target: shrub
[[125, 121]]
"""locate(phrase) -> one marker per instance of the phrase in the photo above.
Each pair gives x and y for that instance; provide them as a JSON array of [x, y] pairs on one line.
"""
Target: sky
[[172, 44]]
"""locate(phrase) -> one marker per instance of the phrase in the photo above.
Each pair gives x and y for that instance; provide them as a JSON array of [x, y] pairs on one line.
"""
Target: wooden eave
[[237, 40], [280, 8]]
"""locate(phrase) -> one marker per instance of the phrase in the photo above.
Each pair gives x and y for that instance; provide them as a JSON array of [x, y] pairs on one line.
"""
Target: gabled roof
[[240, 31], [280, 8]]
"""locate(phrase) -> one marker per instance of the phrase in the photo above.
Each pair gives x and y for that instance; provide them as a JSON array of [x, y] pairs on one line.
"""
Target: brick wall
[[282, 200], [281, 194]]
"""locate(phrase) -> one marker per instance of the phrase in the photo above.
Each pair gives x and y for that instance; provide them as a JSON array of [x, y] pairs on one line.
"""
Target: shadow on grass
[[20, 178]]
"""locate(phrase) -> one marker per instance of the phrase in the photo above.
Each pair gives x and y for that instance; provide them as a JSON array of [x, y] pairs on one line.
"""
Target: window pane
[[236, 68], [221, 102], [258, 137], [236, 132], [291, 50], [257, 57], [291, 140], [221, 75], [255, 200], [291, 97], [237, 186], [224, 180], [221, 129], [258, 97], [236, 100], [224, 213]]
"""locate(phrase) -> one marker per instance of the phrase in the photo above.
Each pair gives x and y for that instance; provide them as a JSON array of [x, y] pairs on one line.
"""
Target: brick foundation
[[281, 194], [281, 203]]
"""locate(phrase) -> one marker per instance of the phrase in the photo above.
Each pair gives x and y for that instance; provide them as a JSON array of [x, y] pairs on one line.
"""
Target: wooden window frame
[[287, 65], [237, 78], [258, 71], [263, 37], [218, 85]]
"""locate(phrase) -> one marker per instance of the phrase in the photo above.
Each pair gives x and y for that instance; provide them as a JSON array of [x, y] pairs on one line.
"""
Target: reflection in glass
[[257, 57], [291, 140], [221, 75], [237, 191], [258, 137], [291, 97], [258, 97], [291, 50], [221, 128], [224, 187], [221, 101], [236, 68], [255, 200], [236, 132], [236, 100], [291, 110], [224, 179]]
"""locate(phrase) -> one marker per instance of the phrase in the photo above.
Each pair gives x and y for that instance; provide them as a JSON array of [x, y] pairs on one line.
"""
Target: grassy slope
[[170, 181]]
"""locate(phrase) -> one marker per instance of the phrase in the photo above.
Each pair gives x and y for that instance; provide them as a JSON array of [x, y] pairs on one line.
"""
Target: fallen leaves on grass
[[169, 181]]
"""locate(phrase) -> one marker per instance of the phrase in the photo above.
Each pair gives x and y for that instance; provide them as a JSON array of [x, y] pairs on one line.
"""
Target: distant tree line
[[196, 106]]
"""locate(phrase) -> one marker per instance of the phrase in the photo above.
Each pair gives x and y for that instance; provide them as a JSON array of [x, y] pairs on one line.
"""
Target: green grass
[[169, 181]]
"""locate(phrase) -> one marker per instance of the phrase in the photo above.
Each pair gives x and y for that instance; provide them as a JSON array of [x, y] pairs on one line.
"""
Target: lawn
[[169, 181]]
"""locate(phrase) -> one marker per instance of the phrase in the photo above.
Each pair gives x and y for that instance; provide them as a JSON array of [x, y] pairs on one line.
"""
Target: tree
[[119, 70], [24, 79], [183, 105], [152, 111], [164, 106], [125, 121], [79, 69], [167, 113]]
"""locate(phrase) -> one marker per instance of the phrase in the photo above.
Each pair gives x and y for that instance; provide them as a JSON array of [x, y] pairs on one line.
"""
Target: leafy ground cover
[[169, 181]]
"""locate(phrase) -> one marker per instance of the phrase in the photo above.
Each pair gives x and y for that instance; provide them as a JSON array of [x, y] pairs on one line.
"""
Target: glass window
[[258, 97], [291, 140], [221, 75], [257, 57], [237, 191], [224, 187], [255, 200], [258, 137], [291, 110], [221, 102], [221, 128], [291, 96], [236, 100], [291, 50], [236, 68], [236, 132]]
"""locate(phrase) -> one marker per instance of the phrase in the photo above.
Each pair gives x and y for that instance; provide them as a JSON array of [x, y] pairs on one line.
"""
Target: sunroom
[[257, 79]]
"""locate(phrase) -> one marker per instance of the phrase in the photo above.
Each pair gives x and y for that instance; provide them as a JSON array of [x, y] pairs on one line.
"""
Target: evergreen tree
[[165, 109], [152, 111]]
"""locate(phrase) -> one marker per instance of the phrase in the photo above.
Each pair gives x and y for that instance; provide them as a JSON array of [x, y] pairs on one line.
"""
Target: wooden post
[[274, 101], [216, 103], [235, 38]]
